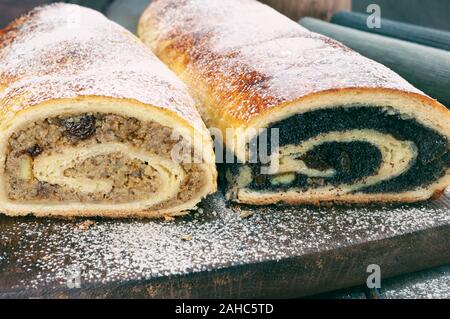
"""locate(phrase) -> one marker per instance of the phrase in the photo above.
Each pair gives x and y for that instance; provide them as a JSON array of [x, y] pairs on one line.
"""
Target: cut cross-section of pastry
[[93, 124], [335, 126]]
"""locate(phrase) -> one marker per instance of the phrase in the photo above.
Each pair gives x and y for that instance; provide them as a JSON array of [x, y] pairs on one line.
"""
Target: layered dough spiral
[[396, 157], [348, 154], [349, 130], [93, 124]]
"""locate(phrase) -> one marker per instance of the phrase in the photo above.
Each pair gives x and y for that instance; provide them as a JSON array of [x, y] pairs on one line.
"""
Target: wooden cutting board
[[221, 251]]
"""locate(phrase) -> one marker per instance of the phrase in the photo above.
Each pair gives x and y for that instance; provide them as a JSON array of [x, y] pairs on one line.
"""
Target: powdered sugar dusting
[[427, 285], [66, 51], [253, 58], [122, 251]]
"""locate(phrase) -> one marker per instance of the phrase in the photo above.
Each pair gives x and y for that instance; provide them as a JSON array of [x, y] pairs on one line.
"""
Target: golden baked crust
[[249, 66], [66, 59], [243, 67], [66, 51]]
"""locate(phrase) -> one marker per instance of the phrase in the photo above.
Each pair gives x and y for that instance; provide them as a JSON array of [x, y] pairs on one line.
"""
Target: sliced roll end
[[87, 158], [352, 146], [93, 124]]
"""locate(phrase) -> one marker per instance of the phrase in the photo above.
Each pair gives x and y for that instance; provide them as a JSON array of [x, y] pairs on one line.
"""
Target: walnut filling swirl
[[96, 158]]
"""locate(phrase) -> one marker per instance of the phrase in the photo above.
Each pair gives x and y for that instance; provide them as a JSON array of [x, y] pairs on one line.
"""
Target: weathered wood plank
[[276, 252]]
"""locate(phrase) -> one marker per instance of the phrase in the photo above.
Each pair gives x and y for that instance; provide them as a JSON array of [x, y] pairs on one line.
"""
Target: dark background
[[11, 9], [431, 13]]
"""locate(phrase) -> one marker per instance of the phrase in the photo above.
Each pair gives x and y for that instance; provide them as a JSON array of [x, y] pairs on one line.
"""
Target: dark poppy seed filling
[[354, 161]]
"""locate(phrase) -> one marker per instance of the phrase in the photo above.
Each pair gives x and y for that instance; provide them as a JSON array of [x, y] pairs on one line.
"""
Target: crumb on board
[[246, 214], [187, 237], [168, 218], [86, 224]]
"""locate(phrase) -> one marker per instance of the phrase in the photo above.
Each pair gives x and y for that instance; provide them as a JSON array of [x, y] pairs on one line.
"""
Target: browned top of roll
[[253, 58], [64, 51]]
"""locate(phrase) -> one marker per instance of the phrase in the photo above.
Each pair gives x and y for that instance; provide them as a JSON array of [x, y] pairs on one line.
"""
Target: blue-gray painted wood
[[429, 13], [127, 13], [404, 31]]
